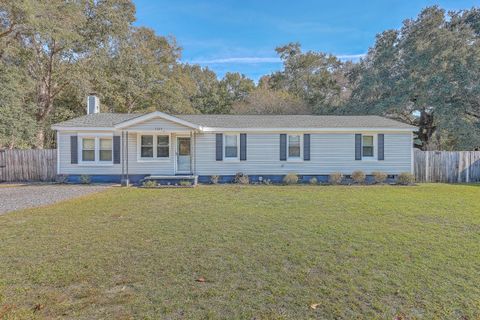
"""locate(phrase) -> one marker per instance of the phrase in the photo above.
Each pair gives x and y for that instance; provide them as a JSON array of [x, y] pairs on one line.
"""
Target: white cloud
[[256, 60], [241, 60], [351, 56]]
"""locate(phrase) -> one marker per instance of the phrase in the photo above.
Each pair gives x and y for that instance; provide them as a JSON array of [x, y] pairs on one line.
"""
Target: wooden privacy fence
[[28, 165], [430, 166], [447, 166]]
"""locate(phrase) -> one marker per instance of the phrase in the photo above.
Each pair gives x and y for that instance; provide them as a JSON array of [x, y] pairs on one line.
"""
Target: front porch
[[167, 157]]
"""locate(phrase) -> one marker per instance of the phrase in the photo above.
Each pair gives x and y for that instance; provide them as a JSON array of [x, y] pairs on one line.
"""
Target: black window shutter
[[116, 149], [243, 146], [306, 147], [381, 146], [74, 149], [219, 147], [283, 147], [358, 146]]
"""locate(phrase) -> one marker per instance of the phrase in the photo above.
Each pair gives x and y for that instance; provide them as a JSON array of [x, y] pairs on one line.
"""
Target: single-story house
[[110, 147]]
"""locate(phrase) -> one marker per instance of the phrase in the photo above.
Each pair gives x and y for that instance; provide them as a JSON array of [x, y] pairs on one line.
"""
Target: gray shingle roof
[[292, 121], [98, 120], [247, 121]]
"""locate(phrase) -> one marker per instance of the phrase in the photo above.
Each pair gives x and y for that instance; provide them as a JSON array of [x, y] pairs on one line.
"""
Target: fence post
[[427, 167], [468, 166]]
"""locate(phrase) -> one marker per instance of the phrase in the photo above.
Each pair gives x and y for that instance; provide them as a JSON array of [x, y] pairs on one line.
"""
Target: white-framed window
[[163, 146], [96, 149], [294, 147], [88, 149], [146, 146], [231, 146], [153, 147], [106, 149], [368, 146]]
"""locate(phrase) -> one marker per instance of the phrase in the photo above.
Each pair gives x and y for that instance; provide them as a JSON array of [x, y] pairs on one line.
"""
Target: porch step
[[153, 177], [160, 178]]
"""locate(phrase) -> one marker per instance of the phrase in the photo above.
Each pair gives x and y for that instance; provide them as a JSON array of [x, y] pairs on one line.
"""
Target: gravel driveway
[[29, 196]]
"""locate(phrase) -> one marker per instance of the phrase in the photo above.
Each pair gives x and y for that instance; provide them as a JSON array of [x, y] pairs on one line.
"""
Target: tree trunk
[[426, 129], [44, 107], [40, 138]]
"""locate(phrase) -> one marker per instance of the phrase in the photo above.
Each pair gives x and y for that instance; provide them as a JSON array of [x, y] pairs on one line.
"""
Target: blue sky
[[240, 36]]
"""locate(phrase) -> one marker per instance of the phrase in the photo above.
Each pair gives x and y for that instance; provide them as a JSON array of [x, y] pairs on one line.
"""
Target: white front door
[[183, 155]]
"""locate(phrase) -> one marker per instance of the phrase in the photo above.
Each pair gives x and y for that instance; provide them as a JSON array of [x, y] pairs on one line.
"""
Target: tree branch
[[473, 114], [8, 31]]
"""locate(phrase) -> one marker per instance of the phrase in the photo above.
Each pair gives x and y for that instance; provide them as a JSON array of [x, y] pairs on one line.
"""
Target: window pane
[[231, 146], [294, 146], [184, 146], [88, 155], [368, 141], [231, 140], [146, 152], [367, 146], [162, 152], [105, 155], [105, 144], [88, 144], [162, 140], [368, 151], [230, 152], [163, 147], [147, 141]]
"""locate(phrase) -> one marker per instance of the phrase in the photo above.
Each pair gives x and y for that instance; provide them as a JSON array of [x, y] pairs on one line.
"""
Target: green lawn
[[266, 252]]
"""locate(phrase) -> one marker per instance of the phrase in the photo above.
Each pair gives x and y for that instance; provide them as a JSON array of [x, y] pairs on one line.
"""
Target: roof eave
[[220, 129], [77, 128], [305, 129]]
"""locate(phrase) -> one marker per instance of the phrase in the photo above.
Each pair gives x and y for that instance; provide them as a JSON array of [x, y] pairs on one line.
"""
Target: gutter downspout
[[123, 158], [195, 157], [127, 181]]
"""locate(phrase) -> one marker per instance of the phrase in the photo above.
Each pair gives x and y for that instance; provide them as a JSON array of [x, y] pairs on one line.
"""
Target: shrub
[[313, 181], [290, 178], [85, 179], [241, 178], [150, 184], [267, 182], [358, 176], [379, 177], [214, 179], [185, 183], [335, 178], [405, 178]]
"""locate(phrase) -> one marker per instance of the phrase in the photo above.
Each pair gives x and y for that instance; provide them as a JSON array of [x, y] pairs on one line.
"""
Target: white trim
[[152, 115], [299, 158], [177, 155], [412, 167], [58, 152], [82, 128], [273, 130], [375, 147], [154, 146], [304, 130], [231, 159], [95, 134], [96, 137]]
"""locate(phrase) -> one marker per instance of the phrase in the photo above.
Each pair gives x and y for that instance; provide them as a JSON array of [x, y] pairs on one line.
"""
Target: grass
[[265, 252]]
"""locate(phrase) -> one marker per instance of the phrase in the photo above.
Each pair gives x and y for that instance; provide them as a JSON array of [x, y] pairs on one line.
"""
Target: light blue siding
[[329, 152], [162, 167]]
